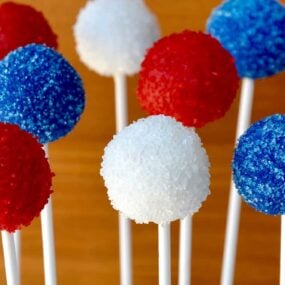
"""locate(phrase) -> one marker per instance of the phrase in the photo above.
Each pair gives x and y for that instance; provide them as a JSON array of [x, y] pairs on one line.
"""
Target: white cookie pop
[[156, 170], [112, 37]]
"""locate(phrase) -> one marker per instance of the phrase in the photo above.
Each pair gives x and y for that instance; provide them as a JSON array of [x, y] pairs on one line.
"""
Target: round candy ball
[[189, 76], [259, 165], [254, 33], [41, 92], [25, 178], [21, 25], [112, 35], [156, 170]]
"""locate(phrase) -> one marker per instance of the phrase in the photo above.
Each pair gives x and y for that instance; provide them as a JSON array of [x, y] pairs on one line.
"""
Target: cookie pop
[[112, 37], [259, 171], [191, 77], [25, 188], [173, 170], [43, 94], [253, 32]]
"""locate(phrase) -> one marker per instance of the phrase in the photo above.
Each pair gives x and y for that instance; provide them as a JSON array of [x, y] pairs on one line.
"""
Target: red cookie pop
[[21, 25], [189, 76], [25, 178]]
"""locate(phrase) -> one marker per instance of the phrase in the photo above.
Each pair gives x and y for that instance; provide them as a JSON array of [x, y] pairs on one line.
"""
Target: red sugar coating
[[21, 25], [25, 178], [189, 76]]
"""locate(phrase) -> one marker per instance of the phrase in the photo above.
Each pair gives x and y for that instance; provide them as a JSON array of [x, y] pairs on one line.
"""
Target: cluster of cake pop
[[191, 77], [40, 90], [21, 25], [43, 95], [177, 74], [156, 169]]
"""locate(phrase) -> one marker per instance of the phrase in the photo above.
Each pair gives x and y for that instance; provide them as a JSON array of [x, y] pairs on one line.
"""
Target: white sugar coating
[[112, 36], [156, 170]]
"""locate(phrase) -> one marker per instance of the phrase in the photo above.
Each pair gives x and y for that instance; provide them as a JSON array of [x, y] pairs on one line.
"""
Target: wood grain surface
[[85, 223]]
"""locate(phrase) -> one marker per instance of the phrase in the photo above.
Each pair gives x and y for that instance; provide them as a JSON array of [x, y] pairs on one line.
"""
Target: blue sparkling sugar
[[259, 165], [41, 92], [253, 31]]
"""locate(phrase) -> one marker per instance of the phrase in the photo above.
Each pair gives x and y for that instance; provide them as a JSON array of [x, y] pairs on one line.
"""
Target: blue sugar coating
[[259, 165], [41, 92], [253, 31]]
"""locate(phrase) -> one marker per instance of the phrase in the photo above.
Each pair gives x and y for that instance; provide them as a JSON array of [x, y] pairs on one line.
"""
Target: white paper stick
[[125, 250], [17, 242], [164, 254], [125, 237], [48, 240], [11, 267], [185, 246], [282, 251], [232, 229], [121, 107]]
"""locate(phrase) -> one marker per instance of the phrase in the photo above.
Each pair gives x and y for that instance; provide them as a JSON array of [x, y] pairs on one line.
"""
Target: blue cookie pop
[[253, 31], [41, 92], [259, 165]]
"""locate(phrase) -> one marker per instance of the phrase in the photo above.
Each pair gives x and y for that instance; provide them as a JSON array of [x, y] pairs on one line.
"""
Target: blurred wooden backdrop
[[85, 223]]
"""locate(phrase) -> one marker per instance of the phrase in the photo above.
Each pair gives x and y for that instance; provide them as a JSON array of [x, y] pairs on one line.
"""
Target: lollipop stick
[[48, 241], [125, 238], [11, 267], [48, 244], [282, 252], [232, 228], [121, 101], [184, 276], [164, 253], [125, 250], [17, 241]]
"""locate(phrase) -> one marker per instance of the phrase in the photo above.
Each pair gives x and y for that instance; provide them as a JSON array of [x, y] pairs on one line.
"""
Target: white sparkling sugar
[[156, 170], [112, 36]]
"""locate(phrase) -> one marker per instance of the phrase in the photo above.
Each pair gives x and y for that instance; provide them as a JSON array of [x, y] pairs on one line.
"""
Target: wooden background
[[86, 225]]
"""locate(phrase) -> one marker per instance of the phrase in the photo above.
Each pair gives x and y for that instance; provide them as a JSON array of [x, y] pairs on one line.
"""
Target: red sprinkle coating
[[25, 178], [189, 76], [21, 25]]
